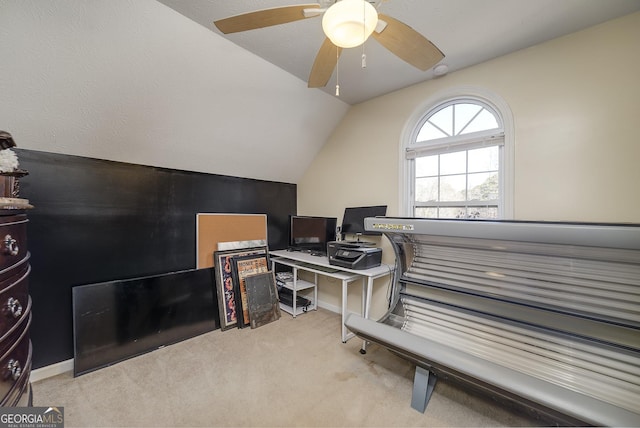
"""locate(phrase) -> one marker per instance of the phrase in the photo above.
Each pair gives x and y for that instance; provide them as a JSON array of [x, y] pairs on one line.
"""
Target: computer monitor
[[353, 219], [308, 233]]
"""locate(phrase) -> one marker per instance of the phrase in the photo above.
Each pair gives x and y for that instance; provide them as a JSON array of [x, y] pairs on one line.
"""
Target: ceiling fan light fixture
[[348, 23]]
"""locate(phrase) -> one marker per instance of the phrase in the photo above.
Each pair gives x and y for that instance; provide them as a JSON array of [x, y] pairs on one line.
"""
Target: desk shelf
[[297, 285], [289, 309], [300, 285]]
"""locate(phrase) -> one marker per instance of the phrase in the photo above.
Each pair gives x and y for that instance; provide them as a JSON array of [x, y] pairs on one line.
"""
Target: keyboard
[[320, 268]]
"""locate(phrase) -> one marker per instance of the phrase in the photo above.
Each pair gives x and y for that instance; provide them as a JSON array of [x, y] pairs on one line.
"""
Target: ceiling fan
[[346, 23]]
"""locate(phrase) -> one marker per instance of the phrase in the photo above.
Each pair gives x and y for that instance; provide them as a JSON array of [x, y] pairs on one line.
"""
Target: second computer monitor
[[353, 219]]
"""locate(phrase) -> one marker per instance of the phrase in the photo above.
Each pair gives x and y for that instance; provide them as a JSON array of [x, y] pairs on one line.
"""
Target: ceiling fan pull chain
[[337, 71], [364, 35]]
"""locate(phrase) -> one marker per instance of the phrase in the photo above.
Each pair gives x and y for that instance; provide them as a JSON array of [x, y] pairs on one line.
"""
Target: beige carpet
[[292, 372]]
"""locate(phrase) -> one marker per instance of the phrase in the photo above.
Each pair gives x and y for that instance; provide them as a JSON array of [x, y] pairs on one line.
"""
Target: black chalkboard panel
[[117, 320], [97, 221]]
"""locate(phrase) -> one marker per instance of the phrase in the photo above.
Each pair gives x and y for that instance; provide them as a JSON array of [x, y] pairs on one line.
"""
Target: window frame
[[437, 102]]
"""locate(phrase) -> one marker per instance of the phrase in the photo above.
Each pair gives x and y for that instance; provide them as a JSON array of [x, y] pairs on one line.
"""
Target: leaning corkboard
[[214, 228]]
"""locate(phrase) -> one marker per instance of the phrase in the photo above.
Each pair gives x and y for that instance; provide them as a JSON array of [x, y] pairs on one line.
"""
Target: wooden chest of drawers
[[15, 310]]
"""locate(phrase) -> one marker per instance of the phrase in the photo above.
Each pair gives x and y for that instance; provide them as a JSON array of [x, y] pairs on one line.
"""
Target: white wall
[[135, 81], [575, 102]]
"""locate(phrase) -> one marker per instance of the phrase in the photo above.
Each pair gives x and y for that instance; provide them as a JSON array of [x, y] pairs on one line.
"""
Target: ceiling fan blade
[[265, 18], [408, 44], [324, 64]]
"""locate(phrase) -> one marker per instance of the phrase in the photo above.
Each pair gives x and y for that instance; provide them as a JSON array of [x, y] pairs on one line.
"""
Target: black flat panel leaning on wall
[[97, 221], [116, 320]]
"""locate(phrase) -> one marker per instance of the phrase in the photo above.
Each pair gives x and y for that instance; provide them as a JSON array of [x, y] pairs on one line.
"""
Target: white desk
[[307, 262]]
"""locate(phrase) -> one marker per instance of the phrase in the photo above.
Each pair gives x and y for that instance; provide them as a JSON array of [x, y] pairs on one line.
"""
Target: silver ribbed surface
[[586, 286], [581, 366]]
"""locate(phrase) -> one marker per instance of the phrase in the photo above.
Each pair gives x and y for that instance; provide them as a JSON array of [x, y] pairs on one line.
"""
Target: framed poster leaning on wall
[[262, 296], [244, 266], [225, 287]]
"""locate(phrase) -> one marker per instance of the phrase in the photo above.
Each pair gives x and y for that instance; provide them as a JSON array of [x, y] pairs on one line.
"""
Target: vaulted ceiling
[[468, 32]]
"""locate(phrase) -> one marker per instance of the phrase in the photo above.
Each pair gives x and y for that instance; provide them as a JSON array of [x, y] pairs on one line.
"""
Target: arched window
[[456, 164]]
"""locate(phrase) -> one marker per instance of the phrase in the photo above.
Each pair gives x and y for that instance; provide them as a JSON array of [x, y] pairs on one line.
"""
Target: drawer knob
[[13, 307], [10, 246], [12, 369]]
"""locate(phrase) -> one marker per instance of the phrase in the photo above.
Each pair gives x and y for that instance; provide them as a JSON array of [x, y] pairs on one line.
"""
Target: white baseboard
[[51, 370], [329, 307]]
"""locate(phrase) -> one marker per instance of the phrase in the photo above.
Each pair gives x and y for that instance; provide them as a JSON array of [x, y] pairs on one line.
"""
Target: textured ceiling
[[467, 31]]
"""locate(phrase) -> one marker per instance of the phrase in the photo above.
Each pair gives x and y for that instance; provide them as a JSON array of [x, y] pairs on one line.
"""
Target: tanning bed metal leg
[[423, 384]]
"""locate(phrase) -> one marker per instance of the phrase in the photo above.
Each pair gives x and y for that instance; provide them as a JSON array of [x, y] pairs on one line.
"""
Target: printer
[[353, 255]]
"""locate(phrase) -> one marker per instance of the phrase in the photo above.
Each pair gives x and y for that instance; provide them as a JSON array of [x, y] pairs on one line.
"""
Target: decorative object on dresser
[[9, 175], [15, 312]]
